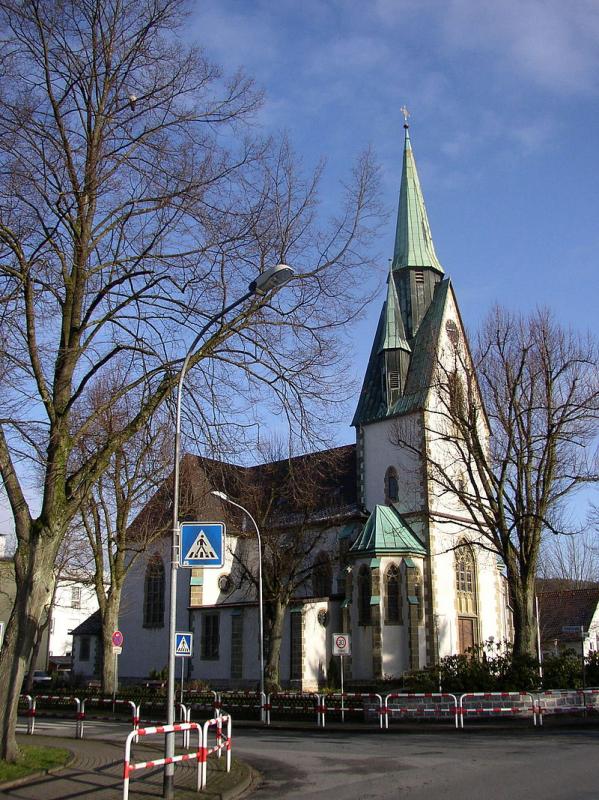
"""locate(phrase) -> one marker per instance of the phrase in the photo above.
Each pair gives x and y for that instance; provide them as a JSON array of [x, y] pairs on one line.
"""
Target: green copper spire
[[394, 335], [413, 240]]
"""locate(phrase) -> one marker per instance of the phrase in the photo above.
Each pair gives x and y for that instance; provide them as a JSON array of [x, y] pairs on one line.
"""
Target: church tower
[[419, 589]]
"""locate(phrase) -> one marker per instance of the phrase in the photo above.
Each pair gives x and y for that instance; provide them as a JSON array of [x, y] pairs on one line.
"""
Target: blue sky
[[504, 120], [504, 99]]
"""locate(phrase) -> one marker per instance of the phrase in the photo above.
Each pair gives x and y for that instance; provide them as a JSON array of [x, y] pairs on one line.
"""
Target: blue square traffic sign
[[183, 645], [202, 544]]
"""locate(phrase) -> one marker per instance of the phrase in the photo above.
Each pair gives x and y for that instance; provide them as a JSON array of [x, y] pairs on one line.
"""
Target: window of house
[[364, 595], [154, 593], [75, 597], [322, 576], [84, 648], [210, 636], [391, 485], [393, 604]]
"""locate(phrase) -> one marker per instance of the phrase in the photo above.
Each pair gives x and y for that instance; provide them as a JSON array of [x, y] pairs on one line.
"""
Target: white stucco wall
[[66, 616], [380, 453], [146, 649]]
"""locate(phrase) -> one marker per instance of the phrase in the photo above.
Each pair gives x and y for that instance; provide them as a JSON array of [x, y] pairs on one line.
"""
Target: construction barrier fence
[[200, 755]]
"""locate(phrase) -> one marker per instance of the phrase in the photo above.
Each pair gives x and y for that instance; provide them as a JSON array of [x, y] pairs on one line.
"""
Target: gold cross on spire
[[406, 114]]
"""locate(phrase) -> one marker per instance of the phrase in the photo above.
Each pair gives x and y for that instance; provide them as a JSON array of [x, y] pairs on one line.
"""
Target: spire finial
[[406, 114]]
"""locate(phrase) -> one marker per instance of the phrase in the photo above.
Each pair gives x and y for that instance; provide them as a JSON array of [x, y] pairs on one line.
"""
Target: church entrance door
[[466, 636]]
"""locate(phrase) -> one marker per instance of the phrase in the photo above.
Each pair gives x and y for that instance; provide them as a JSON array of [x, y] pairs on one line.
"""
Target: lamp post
[[227, 499], [270, 280]]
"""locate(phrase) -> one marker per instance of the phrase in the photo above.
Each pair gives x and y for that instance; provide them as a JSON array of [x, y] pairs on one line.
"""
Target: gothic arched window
[[154, 593], [391, 485], [393, 605], [465, 580], [364, 595], [322, 576]]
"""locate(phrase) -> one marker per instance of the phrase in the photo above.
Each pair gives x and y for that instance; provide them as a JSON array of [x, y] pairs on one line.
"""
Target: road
[[519, 764]]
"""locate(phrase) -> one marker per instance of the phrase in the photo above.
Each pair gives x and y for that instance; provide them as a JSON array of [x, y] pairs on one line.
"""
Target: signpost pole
[[116, 679], [342, 698], [182, 667]]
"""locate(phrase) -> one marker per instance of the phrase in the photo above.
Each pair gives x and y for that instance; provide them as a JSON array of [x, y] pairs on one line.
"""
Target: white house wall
[[65, 617]]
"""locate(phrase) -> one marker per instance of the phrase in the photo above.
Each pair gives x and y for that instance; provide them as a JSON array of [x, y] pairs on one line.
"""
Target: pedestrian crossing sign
[[184, 644], [202, 544]]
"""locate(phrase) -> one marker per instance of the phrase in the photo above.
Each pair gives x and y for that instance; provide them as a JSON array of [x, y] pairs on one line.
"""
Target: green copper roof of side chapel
[[413, 240], [386, 531]]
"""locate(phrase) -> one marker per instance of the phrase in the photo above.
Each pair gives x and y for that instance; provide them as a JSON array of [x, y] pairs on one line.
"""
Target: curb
[[252, 779]]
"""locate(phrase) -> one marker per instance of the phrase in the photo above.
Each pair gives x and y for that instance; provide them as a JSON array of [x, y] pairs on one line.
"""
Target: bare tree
[[518, 422], [295, 501], [136, 469], [134, 204], [570, 561]]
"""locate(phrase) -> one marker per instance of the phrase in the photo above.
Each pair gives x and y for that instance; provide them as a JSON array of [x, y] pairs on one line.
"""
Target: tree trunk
[[35, 585], [276, 618], [110, 623], [523, 607]]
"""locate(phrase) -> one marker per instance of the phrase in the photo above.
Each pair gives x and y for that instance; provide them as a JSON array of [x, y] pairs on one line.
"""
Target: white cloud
[[548, 42]]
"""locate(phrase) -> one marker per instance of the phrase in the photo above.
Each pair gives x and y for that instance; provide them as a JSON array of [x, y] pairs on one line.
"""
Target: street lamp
[[227, 499], [269, 281]]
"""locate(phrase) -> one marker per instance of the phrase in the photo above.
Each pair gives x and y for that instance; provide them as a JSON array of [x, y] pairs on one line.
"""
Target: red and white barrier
[[349, 702], [30, 713], [221, 742], [566, 701], [200, 755], [47, 698], [487, 704], [421, 704], [288, 702], [135, 709], [242, 700]]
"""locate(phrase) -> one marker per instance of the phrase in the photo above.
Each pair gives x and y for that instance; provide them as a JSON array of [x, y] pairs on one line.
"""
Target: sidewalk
[[96, 771]]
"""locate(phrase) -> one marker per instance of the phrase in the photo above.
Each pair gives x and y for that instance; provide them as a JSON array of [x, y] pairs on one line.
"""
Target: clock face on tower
[[452, 332]]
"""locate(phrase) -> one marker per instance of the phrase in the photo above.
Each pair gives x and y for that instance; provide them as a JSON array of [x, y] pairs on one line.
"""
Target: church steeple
[[415, 266], [413, 239], [397, 374]]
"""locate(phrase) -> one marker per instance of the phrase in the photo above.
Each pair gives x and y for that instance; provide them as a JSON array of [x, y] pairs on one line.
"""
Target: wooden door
[[466, 637]]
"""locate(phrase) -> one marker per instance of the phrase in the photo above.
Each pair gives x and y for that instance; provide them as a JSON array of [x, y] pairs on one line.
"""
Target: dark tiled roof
[[317, 486], [92, 626], [565, 608]]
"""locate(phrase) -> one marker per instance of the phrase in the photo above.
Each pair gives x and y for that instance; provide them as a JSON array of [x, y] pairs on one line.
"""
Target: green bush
[[562, 671], [488, 667]]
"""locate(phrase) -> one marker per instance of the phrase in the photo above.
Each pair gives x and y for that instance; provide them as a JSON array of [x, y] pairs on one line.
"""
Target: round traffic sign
[[341, 642], [117, 639]]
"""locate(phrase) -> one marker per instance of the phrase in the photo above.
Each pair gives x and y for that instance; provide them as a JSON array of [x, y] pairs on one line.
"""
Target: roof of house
[[92, 626], [566, 608]]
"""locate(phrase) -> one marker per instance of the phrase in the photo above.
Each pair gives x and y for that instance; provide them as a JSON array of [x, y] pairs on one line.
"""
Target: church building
[[389, 558]]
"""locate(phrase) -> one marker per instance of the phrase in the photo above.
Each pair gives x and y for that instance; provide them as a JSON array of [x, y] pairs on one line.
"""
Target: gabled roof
[[92, 626], [566, 608], [413, 239], [387, 532], [314, 488]]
